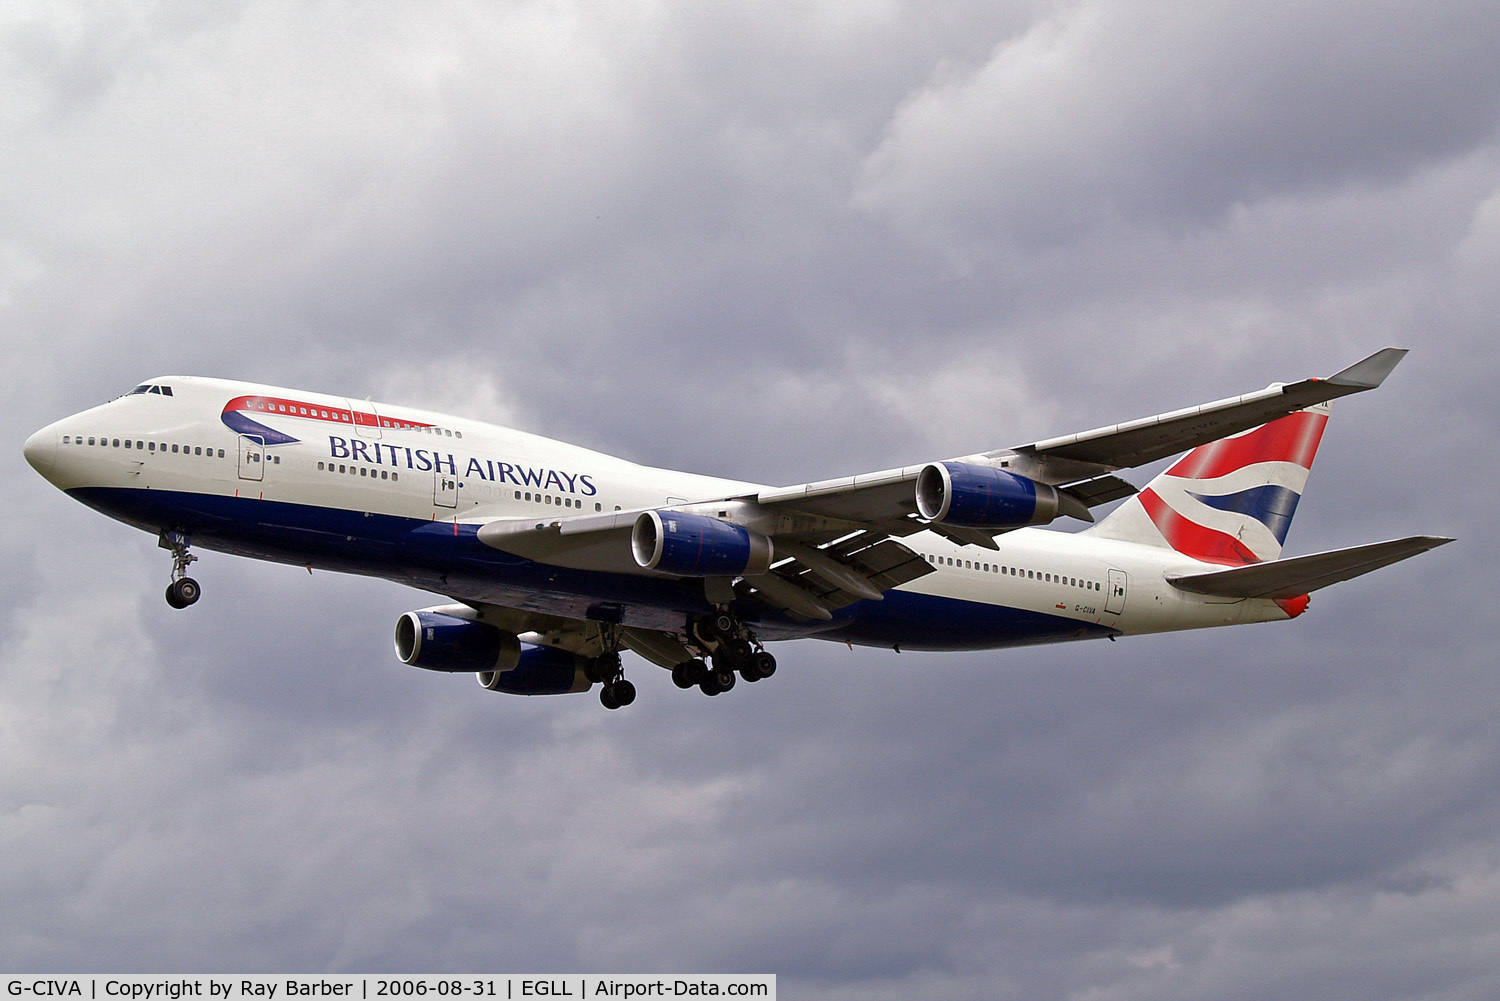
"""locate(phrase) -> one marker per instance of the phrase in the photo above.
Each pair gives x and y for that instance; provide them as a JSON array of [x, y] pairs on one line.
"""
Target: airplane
[[553, 559]]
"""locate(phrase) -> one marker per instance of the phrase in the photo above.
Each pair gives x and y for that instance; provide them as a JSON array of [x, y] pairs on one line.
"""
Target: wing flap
[[1100, 490], [1299, 575], [805, 588]]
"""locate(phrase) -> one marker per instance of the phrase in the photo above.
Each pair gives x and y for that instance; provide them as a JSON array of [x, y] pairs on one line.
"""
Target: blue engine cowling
[[542, 670], [438, 642], [692, 545], [969, 496]]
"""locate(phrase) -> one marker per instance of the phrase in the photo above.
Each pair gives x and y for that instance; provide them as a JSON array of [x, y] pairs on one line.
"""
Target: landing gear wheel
[[688, 673], [183, 592], [763, 664], [738, 653], [617, 694], [718, 681]]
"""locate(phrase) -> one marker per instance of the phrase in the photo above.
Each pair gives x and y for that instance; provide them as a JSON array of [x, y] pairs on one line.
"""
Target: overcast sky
[[773, 241]]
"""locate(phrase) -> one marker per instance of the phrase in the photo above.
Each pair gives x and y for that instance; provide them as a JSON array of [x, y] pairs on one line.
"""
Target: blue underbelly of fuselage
[[447, 558]]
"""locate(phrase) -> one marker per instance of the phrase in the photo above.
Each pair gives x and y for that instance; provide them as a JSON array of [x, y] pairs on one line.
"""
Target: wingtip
[[1369, 372]]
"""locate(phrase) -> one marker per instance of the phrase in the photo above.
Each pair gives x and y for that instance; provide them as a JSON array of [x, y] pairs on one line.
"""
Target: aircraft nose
[[41, 451]]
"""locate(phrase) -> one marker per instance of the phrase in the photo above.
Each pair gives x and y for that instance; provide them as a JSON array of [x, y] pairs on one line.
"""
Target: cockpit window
[[139, 390], [148, 388]]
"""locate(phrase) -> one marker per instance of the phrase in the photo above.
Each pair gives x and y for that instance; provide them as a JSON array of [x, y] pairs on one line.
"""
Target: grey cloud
[[779, 244], [1172, 118]]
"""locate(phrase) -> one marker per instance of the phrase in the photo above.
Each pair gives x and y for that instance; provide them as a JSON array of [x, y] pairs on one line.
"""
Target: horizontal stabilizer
[[1301, 574]]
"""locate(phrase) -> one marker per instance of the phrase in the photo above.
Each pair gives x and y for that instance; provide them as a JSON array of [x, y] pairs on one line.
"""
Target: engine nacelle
[[968, 496], [437, 642], [692, 545], [502, 663], [541, 670]]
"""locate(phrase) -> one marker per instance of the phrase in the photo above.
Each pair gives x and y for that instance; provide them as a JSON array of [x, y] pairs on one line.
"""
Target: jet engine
[[969, 496], [692, 545], [502, 663], [541, 670]]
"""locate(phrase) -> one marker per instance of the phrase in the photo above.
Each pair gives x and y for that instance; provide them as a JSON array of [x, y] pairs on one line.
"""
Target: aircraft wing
[[817, 568], [1080, 465], [1136, 443]]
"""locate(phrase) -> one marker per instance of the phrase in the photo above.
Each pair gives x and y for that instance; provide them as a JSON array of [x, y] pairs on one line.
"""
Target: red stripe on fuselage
[[286, 407]]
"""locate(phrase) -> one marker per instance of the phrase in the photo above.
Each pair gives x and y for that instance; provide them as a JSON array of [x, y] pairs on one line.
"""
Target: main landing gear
[[728, 652], [183, 591], [606, 670], [732, 650]]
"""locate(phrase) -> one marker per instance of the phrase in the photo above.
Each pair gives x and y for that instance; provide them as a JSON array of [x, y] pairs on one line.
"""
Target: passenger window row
[[1039, 575], [549, 499], [142, 446], [352, 470], [397, 425]]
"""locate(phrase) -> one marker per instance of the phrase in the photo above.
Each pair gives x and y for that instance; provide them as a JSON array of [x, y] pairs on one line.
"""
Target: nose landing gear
[[184, 590]]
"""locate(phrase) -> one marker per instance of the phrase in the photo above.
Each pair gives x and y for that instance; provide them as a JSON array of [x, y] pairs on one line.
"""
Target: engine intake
[[692, 545], [969, 496], [437, 642]]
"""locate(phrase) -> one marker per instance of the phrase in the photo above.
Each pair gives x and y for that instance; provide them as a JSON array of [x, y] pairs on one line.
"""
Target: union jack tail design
[[1230, 501]]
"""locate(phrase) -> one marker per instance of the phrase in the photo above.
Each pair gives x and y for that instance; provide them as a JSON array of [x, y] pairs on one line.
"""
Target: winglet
[[1371, 372]]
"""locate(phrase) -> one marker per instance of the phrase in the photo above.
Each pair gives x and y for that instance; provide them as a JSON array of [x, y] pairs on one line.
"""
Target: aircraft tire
[[183, 592], [688, 673], [738, 653], [764, 664]]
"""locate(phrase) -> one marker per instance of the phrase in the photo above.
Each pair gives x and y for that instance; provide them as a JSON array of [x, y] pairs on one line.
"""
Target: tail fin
[[1230, 501]]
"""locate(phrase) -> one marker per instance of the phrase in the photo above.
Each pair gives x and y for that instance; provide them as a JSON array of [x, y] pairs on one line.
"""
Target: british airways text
[[382, 454]]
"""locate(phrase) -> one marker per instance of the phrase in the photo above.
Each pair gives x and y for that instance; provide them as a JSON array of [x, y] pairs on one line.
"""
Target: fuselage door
[[366, 418], [444, 489], [252, 461], [1114, 600]]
